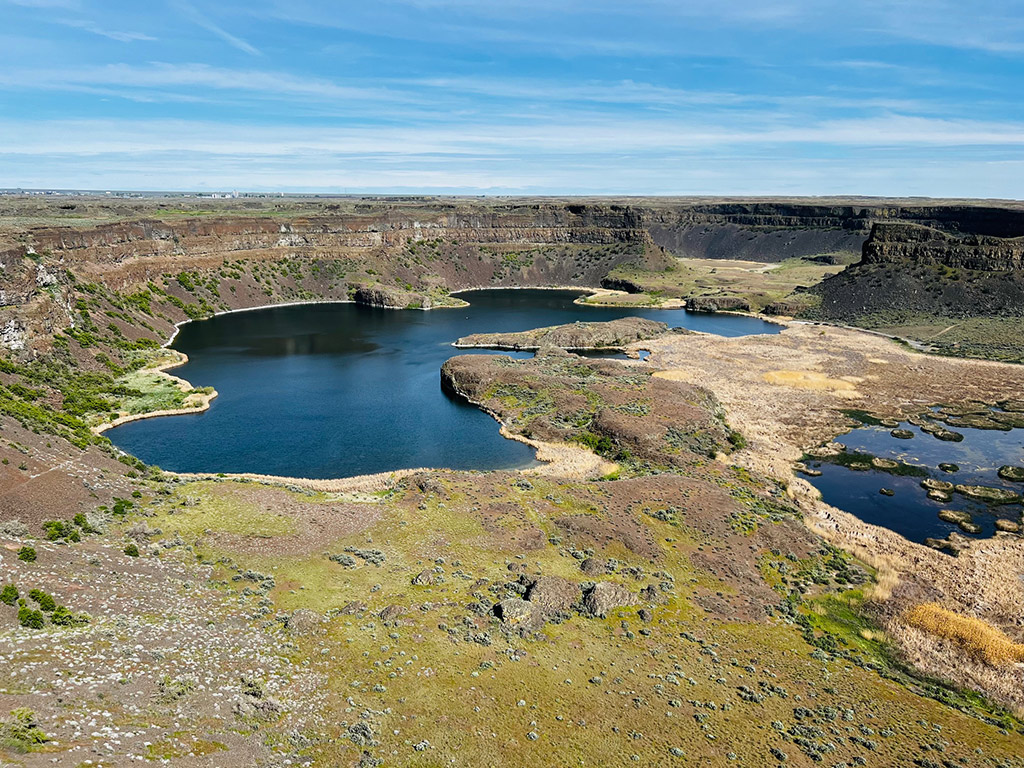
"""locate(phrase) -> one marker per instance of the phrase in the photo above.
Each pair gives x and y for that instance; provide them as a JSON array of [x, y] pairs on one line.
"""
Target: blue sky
[[535, 97]]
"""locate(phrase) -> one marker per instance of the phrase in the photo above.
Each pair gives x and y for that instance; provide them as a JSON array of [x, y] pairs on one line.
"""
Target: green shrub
[[83, 522], [46, 601], [20, 732], [58, 530], [62, 617], [27, 554], [31, 619], [132, 550], [9, 594]]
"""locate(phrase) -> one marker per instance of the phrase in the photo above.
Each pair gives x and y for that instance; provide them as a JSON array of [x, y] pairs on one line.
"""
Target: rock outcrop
[[572, 336]]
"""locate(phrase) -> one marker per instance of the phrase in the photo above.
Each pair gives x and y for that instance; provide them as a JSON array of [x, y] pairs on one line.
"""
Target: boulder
[[989, 495], [514, 612], [1008, 526], [954, 516], [606, 596], [552, 594], [391, 613], [423, 578]]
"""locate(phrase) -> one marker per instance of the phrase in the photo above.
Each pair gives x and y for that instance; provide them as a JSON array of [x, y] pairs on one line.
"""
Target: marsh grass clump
[[976, 637]]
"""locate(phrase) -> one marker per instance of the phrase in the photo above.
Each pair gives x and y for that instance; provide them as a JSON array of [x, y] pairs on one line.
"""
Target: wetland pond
[[935, 466], [335, 390]]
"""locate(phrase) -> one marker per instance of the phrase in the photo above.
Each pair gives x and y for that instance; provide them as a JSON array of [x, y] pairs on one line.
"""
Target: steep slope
[[955, 292]]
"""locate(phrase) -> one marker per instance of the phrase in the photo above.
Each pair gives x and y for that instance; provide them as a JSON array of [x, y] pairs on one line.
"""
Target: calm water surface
[[334, 390], [910, 512]]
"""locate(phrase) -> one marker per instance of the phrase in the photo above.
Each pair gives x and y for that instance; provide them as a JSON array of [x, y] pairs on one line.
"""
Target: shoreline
[[185, 386], [551, 455]]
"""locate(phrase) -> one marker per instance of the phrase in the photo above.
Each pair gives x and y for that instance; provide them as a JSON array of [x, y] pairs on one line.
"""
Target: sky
[[645, 97]]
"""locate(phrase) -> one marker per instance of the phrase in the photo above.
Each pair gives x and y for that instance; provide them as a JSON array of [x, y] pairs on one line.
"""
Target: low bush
[[45, 601], [30, 618]]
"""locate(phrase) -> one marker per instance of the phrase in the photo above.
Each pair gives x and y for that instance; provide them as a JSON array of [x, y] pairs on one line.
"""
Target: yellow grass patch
[[978, 638], [812, 380]]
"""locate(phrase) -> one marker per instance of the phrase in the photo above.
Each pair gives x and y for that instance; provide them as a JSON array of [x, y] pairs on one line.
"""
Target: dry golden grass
[[979, 639]]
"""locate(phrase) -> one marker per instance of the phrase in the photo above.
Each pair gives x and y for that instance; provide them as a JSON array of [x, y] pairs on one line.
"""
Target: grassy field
[[679, 685], [758, 284]]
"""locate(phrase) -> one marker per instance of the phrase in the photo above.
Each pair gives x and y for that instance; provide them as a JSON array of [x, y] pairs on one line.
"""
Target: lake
[[335, 390]]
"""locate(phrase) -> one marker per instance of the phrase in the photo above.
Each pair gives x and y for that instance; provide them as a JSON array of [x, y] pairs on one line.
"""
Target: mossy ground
[[441, 682]]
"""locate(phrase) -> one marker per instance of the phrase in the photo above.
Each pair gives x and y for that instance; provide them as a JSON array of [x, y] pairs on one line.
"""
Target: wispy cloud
[[194, 15], [96, 29]]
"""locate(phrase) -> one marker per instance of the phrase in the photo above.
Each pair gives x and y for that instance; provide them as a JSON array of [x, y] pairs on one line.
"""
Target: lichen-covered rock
[[552, 594], [391, 613], [514, 612], [606, 596], [423, 578]]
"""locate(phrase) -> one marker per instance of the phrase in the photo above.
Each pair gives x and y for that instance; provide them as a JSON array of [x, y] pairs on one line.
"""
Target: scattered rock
[[902, 434], [1008, 526], [887, 491], [13, 529], [949, 467]]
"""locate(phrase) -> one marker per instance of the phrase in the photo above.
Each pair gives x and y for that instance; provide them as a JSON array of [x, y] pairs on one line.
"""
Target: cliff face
[[908, 272], [190, 262], [900, 242]]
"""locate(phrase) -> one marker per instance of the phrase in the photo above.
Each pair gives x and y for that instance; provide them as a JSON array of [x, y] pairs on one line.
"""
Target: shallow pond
[[334, 390], [909, 511]]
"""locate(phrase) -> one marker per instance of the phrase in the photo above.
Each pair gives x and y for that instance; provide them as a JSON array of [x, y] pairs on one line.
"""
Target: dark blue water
[[910, 512], [334, 390]]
